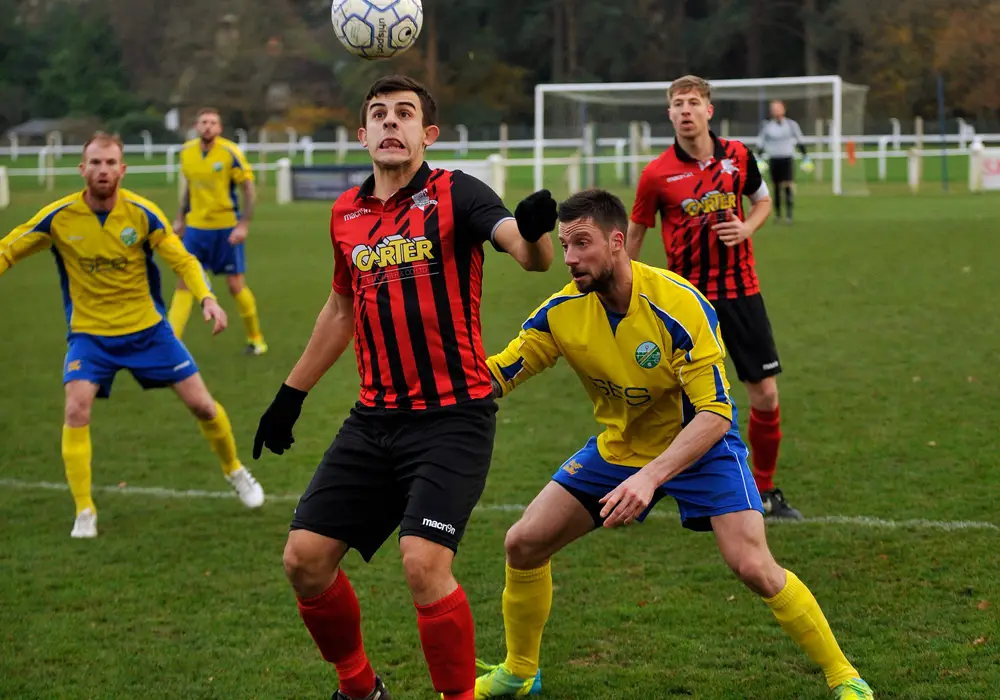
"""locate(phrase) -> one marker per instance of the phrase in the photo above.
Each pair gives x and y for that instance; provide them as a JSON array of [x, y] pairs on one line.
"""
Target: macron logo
[[444, 527], [355, 214]]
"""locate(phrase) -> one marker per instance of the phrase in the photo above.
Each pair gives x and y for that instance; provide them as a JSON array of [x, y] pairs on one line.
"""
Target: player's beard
[[601, 282], [103, 190]]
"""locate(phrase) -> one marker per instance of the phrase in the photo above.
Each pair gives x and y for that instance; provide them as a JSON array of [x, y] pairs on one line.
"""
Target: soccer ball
[[375, 29]]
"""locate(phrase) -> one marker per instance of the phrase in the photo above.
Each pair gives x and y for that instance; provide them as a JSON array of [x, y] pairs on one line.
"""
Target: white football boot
[[250, 492], [85, 526]]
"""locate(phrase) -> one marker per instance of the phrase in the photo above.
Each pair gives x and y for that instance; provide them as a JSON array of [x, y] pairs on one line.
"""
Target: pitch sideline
[[856, 520]]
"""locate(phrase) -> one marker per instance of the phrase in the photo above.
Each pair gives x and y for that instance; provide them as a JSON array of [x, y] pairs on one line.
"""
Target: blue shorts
[[719, 483], [155, 357], [214, 251]]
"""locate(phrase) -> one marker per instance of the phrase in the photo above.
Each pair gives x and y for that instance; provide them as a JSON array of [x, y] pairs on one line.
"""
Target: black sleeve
[[802, 149], [754, 180], [478, 209]]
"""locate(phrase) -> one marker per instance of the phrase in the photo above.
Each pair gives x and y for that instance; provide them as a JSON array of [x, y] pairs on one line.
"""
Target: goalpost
[[606, 116]]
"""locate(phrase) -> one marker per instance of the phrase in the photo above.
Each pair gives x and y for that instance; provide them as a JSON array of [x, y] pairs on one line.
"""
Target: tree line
[[128, 61]]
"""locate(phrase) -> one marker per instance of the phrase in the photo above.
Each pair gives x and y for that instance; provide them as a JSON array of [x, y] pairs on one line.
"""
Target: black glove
[[275, 427], [536, 215]]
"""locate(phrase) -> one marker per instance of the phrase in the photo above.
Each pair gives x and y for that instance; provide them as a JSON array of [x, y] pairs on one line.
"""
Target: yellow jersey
[[212, 177], [110, 284], [648, 371]]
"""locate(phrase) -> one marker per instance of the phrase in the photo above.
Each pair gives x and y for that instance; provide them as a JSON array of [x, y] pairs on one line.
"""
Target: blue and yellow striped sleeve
[[168, 245], [531, 352], [240, 171], [698, 353], [33, 236]]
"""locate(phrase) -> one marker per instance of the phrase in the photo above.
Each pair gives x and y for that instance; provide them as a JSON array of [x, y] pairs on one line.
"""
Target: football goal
[[595, 121]]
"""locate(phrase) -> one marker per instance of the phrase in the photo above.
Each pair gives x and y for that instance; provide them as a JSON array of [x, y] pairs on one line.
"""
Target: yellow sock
[[527, 600], [800, 616], [180, 310], [219, 434], [76, 453], [247, 305]]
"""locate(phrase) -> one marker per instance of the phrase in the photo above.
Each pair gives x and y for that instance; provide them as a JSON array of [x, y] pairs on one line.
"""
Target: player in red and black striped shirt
[[415, 449], [697, 186]]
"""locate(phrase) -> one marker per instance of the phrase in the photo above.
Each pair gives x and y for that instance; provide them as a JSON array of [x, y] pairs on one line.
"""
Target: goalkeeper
[[778, 139], [646, 345]]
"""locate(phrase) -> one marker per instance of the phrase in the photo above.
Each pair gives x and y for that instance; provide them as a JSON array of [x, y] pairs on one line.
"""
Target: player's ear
[[617, 240], [711, 110], [363, 136], [431, 134]]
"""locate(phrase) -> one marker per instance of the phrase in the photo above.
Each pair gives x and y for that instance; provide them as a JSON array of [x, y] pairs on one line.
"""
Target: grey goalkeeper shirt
[[779, 139]]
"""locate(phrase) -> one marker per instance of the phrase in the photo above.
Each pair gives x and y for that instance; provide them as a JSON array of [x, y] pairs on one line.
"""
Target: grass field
[[890, 401]]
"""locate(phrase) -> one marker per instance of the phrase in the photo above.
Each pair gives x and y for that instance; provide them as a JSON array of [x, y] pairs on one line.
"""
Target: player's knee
[[427, 570], [764, 395], [235, 283], [204, 408], [307, 569], [77, 413], [523, 551], [759, 572]]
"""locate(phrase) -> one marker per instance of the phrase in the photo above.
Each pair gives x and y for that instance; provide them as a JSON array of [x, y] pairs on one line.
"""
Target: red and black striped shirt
[[692, 196], [414, 266]]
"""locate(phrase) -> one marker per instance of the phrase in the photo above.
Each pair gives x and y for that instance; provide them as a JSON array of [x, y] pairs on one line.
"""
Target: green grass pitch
[[882, 312]]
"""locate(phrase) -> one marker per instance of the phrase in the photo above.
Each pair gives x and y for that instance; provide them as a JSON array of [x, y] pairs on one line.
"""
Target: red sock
[[448, 637], [333, 618], [764, 433]]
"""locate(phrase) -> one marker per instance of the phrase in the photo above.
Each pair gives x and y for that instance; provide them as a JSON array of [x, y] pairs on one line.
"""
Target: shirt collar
[[719, 152], [417, 182]]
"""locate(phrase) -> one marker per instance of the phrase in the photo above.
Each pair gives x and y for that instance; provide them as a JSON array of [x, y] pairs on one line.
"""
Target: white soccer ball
[[375, 29]]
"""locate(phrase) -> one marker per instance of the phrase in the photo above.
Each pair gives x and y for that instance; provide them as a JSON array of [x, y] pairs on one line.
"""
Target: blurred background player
[[647, 345], [103, 239], [212, 223], [778, 139], [408, 252], [697, 186]]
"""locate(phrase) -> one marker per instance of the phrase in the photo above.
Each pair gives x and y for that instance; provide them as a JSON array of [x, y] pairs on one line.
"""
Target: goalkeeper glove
[[536, 215], [275, 428], [807, 165]]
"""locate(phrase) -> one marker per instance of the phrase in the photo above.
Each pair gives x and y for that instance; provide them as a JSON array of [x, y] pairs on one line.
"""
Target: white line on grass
[[860, 520]]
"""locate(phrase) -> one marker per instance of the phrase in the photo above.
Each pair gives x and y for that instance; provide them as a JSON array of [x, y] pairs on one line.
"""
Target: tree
[[966, 53]]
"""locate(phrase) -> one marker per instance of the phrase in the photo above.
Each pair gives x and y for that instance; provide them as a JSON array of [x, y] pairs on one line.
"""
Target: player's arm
[[647, 203], [29, 238], [761, 139], [758, 193], [800, 139], [242, 175], [183, 208], [331, 335], [521, 235], [697, 361], [732, 230], [168, 245], [532, 351]]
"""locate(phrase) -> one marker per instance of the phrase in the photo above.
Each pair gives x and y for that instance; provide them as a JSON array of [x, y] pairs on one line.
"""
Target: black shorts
[[782, 170], [422, 471], [746, 331]]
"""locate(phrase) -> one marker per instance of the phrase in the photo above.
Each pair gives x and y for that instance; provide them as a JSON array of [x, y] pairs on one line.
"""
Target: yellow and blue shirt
[[212, 178], [648, 371], [110, 283]]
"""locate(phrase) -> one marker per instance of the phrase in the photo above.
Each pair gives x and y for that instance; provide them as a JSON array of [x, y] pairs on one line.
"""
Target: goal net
[[614, 129]]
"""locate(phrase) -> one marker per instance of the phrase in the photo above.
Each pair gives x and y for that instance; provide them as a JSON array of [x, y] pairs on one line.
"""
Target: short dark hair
[[605, 208], [401, 83]]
